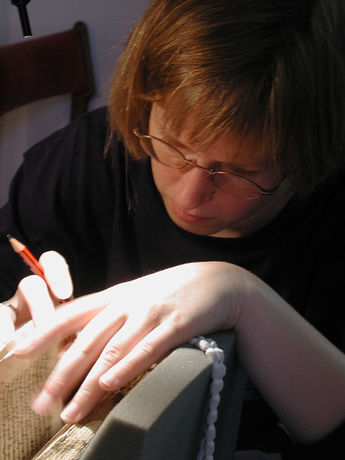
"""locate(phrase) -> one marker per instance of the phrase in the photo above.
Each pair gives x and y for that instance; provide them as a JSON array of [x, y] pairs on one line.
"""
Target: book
[[22, 431], [25, 435]]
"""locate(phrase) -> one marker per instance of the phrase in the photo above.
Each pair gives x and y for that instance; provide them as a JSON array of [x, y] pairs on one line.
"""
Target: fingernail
[[110, 382], [45, 404], [71, 413], [62, 290]]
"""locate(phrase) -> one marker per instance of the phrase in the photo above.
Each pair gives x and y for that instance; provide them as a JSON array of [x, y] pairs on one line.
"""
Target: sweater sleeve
[[61, 199]]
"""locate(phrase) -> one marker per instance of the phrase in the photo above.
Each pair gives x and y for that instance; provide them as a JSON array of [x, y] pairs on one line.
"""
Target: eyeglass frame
[[211, 171]]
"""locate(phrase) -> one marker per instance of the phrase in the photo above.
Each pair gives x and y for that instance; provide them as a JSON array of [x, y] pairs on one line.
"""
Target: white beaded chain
[[216, 355]]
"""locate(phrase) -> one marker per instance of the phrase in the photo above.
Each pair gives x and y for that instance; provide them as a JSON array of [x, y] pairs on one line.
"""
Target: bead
[[211, 433], [203, 344], [214, 402], [209, 447], [216, 355], [218, 371], [212, 417], [217, 386]]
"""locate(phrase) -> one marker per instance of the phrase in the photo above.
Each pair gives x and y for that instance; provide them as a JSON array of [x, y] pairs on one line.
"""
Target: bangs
[[254, 69], [212, 112]]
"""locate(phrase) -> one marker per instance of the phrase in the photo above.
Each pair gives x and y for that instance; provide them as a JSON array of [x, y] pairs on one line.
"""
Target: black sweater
[[67, 196]]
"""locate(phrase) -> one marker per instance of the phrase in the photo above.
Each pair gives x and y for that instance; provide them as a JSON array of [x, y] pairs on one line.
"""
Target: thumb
[[57, 274]]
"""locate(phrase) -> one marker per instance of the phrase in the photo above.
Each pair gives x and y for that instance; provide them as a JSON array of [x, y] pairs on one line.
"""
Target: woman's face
[[191, 199]]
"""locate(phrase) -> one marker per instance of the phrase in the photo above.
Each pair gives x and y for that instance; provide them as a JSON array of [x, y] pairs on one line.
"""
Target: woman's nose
[[194, 189]]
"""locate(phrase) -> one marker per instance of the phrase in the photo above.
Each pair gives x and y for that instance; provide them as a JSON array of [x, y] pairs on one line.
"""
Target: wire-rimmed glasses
[[229, 182]]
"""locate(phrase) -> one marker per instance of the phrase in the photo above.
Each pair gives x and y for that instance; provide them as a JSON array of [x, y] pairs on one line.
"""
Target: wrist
[[235, 292]]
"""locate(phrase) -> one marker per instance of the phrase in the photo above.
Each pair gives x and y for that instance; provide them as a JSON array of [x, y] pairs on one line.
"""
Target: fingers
[[31, 300], [69, 319], [74, 366], [35, 292], [142, 356], [57, 275], [103, 342], [127, 354]]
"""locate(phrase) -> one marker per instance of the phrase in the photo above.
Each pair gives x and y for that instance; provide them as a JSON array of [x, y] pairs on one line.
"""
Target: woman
[[217, 206]]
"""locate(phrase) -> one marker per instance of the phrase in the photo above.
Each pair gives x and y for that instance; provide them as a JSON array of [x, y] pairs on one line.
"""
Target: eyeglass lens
[[171, 157]]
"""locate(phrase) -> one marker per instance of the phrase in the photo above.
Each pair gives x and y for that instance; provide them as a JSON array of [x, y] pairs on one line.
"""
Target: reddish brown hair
[[273, 69]]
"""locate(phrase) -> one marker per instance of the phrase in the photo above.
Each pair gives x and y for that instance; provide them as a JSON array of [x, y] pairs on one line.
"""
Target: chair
[[163, 416], [47, 66]]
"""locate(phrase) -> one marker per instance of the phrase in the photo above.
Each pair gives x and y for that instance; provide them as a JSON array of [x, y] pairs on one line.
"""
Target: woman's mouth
[[187, 217]]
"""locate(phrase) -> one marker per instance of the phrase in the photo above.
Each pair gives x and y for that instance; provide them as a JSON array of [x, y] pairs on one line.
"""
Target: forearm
[[296, 369]]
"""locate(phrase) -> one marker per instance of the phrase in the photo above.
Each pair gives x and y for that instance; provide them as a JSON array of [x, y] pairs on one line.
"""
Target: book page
[[22, 432], [71, 440], [24, 435]]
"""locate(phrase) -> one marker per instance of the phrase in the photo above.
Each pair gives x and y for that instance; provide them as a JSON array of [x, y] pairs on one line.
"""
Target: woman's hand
[[123, 330], [35, 299]]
